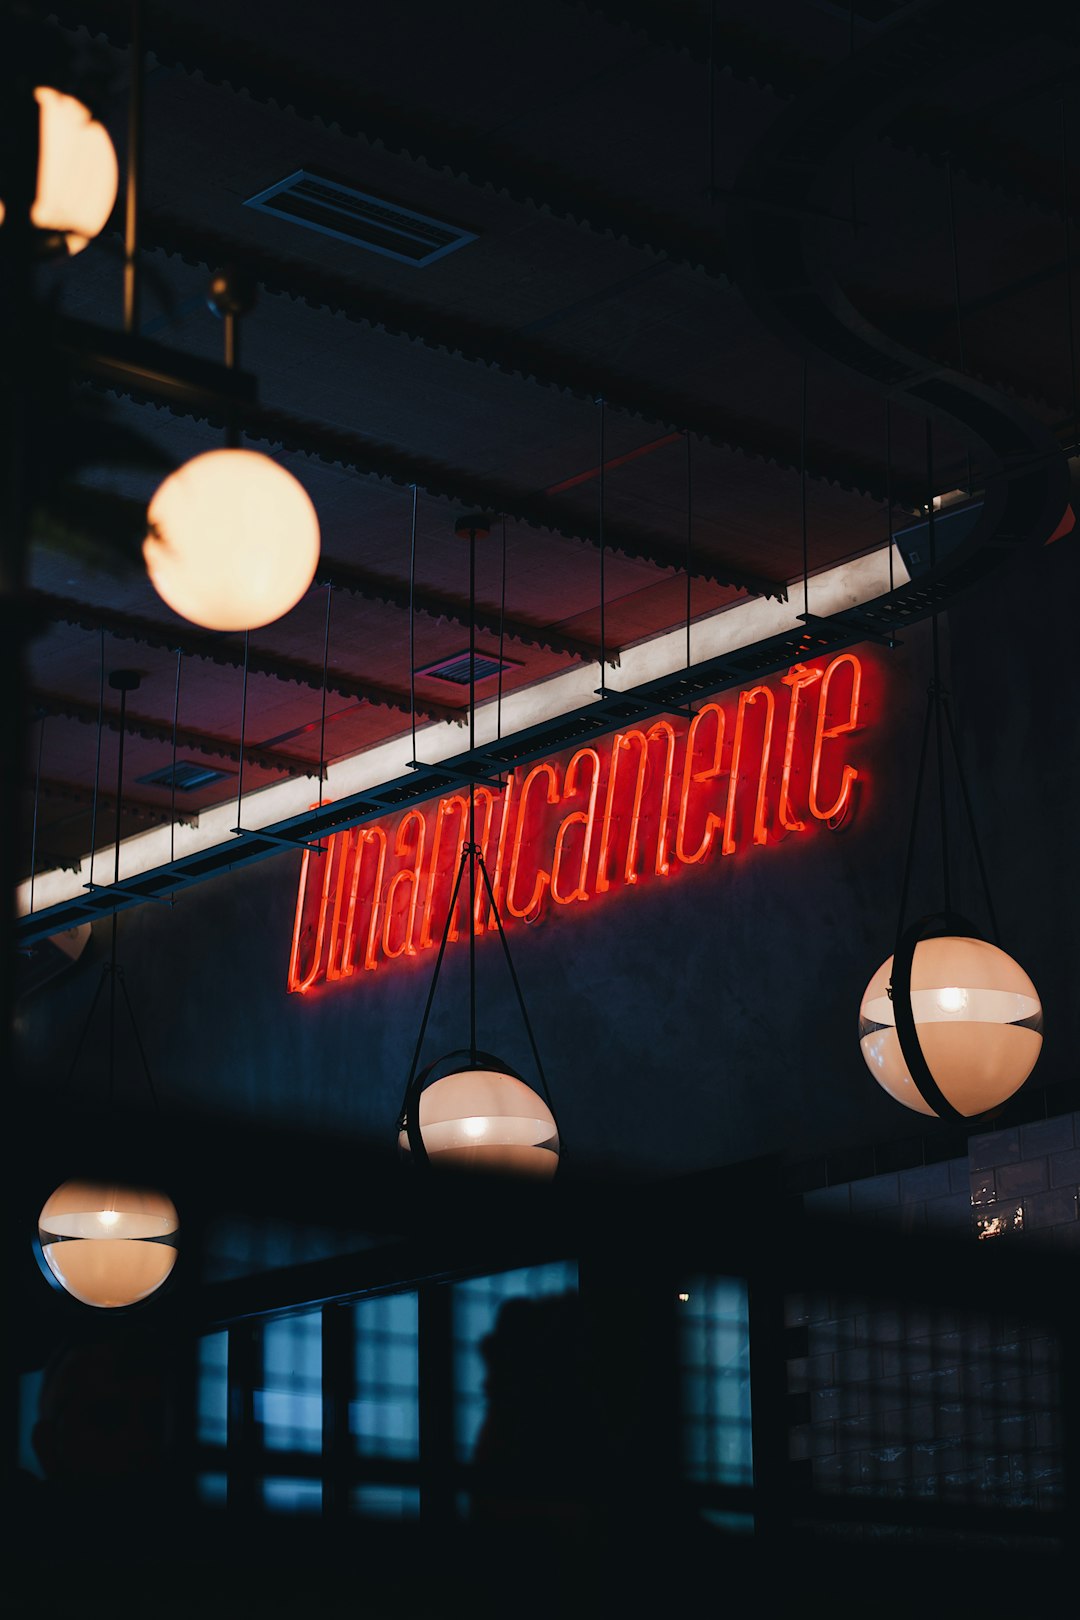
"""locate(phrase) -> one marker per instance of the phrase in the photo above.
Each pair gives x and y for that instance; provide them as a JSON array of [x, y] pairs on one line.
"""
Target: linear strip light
[[742, 624]]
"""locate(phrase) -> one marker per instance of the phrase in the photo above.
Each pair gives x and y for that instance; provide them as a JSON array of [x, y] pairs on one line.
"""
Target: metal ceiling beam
[[335, 447], [198, 742], [307, 283], [935, 135], [440, 605], [241, 67], [52, 787], [225, 650]]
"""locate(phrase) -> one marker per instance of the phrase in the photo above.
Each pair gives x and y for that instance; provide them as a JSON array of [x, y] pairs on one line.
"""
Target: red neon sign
[[755, 769]]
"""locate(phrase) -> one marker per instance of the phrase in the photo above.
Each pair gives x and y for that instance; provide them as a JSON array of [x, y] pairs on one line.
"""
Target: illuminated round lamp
[[108, 1246], [952, 1026], [77, 172], [233, 541], [480, 1116]]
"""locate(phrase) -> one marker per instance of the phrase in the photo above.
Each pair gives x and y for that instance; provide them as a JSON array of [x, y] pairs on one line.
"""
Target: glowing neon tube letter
[[838, 810], [761, 832], [585, 818], [542, 877]]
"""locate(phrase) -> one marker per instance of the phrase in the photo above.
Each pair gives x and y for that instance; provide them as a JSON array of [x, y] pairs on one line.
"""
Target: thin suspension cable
[[517, 989], [435, 974], [172, 794], [243, 738], [937, 690], [710, 101], [1069, 333], [325, 670], [412, 627], [97, 758], [689, 541], [134, 170], [802, 495], [138, 1039], [502, 636], [889, 490], [603, 591], [956, 296], [910, 855], [851, 173], [116, 880], [472, 795], [37, 799], [966, 796]]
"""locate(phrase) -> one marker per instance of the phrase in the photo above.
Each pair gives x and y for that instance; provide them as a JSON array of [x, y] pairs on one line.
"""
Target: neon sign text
[[767, 763]]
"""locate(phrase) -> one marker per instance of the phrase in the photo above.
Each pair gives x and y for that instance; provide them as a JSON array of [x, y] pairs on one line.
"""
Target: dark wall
[[693, 1022]]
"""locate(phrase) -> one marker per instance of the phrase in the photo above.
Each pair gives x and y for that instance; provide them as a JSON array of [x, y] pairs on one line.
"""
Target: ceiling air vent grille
[[456, 669], [355, 216], [185, 776]]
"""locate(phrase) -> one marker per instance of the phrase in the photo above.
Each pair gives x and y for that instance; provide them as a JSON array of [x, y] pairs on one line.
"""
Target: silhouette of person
[[105, 1417], [533, 1442]]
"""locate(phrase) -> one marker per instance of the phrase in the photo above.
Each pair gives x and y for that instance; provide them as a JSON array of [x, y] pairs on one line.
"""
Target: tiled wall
[[911, 1403], [1023, 1179]]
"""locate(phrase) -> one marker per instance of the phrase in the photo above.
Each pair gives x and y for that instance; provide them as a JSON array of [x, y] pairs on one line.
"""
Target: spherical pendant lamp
[[77, 172], [108, 1246], [953, 1026], [480, 1116], [233, 541]]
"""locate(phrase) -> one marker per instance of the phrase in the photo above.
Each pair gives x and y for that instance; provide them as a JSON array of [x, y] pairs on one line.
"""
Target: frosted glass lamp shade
[[77, 171], [108, 1246], [483, 1119], [233, 541], [978, 1019]]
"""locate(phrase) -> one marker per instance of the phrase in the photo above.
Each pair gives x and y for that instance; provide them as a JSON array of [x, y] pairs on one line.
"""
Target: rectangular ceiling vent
[[456, 669], [185, 776], [357, 217]]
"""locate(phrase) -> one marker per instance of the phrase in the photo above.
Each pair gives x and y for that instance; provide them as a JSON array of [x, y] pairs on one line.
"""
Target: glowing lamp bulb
[[483, 1119], [77, 172], [233, 541], [108, 1246], [978, 1019]]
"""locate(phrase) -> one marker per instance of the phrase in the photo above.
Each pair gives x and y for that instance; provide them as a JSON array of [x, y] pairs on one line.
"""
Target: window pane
[[476, 1306], [386, 1501], [292, 1495], [714, 1355], [384, 1412], [289, 1405], [213, 1396]]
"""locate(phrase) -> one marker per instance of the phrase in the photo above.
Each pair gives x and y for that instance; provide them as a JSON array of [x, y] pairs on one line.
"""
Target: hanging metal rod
[[227, 651]]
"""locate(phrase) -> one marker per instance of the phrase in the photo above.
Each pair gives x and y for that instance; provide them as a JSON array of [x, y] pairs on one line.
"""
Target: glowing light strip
[[742, 624]]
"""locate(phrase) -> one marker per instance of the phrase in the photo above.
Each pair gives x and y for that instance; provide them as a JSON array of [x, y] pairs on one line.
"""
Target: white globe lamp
[[108, 1246], [233, 540], [974, 1033], [77, 172], [481, 1118]]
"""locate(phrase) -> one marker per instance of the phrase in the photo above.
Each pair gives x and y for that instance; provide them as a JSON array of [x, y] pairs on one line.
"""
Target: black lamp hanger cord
[[600, 536], [472, 857], [1070, 336], [939, 715], [123, 681]]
